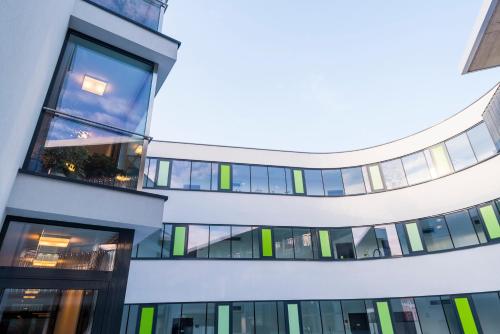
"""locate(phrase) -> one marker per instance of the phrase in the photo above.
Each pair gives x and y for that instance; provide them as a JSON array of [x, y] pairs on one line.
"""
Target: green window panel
[[225, 177], [376, 177], [298, 181], [163, 169], [267, 242], [414, 236], [465, 314], [384, 315], [491, 221], [324, 241], [223, 319], [179, 240], [293, 319], [146, 324]]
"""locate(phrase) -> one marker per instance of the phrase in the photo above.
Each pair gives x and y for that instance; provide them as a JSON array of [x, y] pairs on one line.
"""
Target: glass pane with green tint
[[491, 221], [225, 177], [146, 324], [376, 177], [298, 181], [163, 170], [324, 240], [267, 242], [293, 319], [414, 236], [384, 316], [223, 319], [179, 240], [466, 317]]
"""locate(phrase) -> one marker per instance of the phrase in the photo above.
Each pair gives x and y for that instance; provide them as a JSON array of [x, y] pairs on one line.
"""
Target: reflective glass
[[302, 242], [331, 317], [241, 242], [376, 177], [314, 182], [220, 241], [193, 319], [478, 225], [167, 240], [461, 229], [298, 181], [388, 241], [259, 179], [431, 315], [343, 244], [438, 159], [283, 242], [200, 175], [403, 240], [435, 234], [416, 168], [451, 315], [210, 318], [293, 318], [460, 152], [353, 181], [289, 182], [168, 318], [150, 173], [163, 172], [355, 317], [180, 175], [332, 180], [150, 247], [266, 318], [481, 142], [215, 177], [277, 181], [365, 242], [491, 220], [243, 318], [311, 317], [197, 241], [487, 306], [144, 12], [241, 178], [404, 316], [394, 174]]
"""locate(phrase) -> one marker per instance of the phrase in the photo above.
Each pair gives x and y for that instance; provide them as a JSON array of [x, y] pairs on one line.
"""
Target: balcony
[[147, 13]]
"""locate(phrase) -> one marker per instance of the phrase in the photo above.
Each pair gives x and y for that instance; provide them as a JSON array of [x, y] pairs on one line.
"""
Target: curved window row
[[470, 227], [450, 314]]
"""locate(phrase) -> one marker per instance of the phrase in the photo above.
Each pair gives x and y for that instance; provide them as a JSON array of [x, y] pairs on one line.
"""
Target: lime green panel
[[384, 316], [415, 240], [376, 177], [225, 177], [491, 221], [146, 324], [223, 319], [324, 240], [466, 316], [267, 242], [298, 181], [293, 319], [442, 165], [179, 240], [163, 169]]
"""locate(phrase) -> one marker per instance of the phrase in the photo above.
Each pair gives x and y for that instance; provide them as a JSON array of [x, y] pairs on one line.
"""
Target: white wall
[[32, 34]]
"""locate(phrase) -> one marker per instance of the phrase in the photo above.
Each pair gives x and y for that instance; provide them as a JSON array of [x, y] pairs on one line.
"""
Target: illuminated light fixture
[[29, 297], [122, 178], [93, 85], [138, 150], [83, 134], [53, 241], [31, 292], [70, 166], [44, 263], [108, 247]]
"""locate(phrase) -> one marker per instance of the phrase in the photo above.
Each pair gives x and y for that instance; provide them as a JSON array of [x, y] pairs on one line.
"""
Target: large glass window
[[311, 317], [331, 317], [431, 315], [180, 177], [491, 118], [388, 241], [478, 225], [302, 241], [481, 142], [241, 242], [460, 151], [241, 178], [266, 318], [220, 241], [150, 247], [365, 242], [438, 159], [243, 318], [259, 178], [197, 245], [416, 168], [332, 180], [353, 181], [150, 173], [314, 182], [277, 180], [343, 244], [283, 242], [487, 306], [168, 318], [394, 174], [200, 175], [435, 234], [193, 319], [461, 229], [167, 240], [355, 317], [58, 247], [404, 316]]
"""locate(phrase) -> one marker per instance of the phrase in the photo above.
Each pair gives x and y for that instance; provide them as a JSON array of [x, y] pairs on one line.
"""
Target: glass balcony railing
[[148, 13], [72, 147]]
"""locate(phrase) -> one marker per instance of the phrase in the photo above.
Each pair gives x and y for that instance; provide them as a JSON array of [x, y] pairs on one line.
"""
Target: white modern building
[[106, 230]]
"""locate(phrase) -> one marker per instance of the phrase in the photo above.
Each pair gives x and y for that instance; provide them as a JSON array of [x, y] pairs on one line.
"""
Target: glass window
[[256, 236], [490, 219], [225, 177], [353, 181], [168, 318], [373, 320], [439, 161], [487, 306], [431, 315], [146, 13], [388, 241], [58, 247], [180, 176], [465, 315], [293, 318], [404, 316], [277, 181], [491, 118], [302, 241], [384, 316], [223, 319], [416, 168], [167, 240], [289, 183], [331, 317], [332, 180], [343, 244], [461, 229], [241, 178], [201, 175], [451, 315], [375, 177], [197, 245], [241, 242], [266, 318], [435, 234], [215, 177], [150, 247], [314, 182], [355, 317], [147, 319], [414, 236], [365, 242], [260, 182], [266, 242], [243, 318], [403, 240], [283, 242], [281, 317], [311, 317], [163, 171], [298, 181], [481, 142], [460, 152], [220, 241], [193, 319], [150, 173], [478, 225], [325, 245], [179, 241], [132, 319], [210, 318], [394, 174]]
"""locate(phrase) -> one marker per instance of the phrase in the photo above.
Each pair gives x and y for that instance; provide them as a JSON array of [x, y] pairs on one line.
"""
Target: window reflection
[[314, 182], [416, 168], [200, 175], [241, 178], [180, 177], [435, 234], [460, 152], [277, 181], [343, 244], [332, 179], [481, 142], [394, 175], [353, 181], [260, 182]]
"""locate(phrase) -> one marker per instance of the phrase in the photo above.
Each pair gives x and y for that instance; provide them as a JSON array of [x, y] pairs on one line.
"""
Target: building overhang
[[483, 50]]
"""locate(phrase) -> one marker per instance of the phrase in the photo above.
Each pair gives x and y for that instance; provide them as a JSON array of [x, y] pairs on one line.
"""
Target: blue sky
[[318, 75]]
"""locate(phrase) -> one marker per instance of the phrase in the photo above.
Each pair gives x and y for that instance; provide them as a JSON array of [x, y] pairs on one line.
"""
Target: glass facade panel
[[241, 242], [487, 306], [167, 240], [403, 239], [289, 182], [215, 177], [394, 174], [490, 220], [146, 322], [143, 12], [225, 177], [465, 315], [220, 241], [331, 317], [353, 181], [277, 180], [150, 173], [365, 242], [355, 317], [376, 177], [478, 225], [267, 242], [243, 318], [283, 242], [193, 319], [163, 171], [431, 315], [343, 243], [298, 181], [481, 142], [435, 234], [201, 175], [416, 168], [151, 246], [439, 162], [259, 178], [302, 241], [460, 151], [404, 316], [223, 319], [179, 241], [266, 318], [241, 178], [325, 247], [451, 315], [388, 241], [168, 318], [314, 182], [461, 229], [414, 237], [332, 180], [311, 317], [293, 320], [197, 245], [384, 316], [180, 175]]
